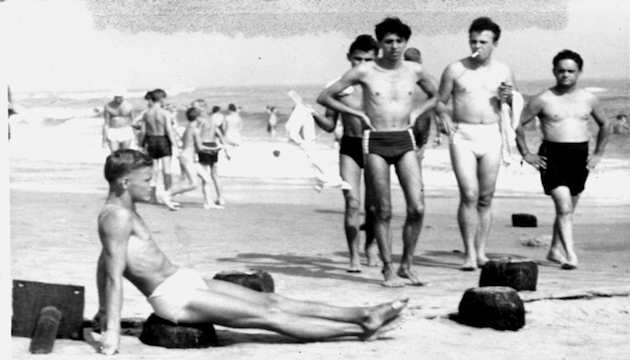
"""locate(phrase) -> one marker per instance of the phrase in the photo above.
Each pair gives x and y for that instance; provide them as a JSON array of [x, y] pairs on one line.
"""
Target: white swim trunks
[[120, 134], [481, 139], [170, 298]]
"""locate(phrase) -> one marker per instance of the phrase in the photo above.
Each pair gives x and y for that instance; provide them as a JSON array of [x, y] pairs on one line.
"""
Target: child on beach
[[183, 296], [191, 144]]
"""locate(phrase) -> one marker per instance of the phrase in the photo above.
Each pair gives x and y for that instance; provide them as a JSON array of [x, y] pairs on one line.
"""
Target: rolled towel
[[510, 118]]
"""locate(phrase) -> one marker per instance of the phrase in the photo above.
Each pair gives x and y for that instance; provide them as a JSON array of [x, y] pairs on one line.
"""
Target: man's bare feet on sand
[[555, 256], [407, 273], [391, 278], [373, 259], [570, 263], [469, 265], [482, 260], [355, 265], [383, 318]]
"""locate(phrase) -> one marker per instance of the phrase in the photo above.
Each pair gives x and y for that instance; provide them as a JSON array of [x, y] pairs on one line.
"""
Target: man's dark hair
[[122, 162], [158, 95], [568, 55], [485, 23], [232, 107], [148, 95], [192, 114], [392, 25], [364, 43], [216, 109]]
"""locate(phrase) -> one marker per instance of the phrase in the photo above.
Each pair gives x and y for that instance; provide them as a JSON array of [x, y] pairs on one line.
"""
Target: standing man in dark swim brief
[[159, 139], [563, 159], [363, 49], [388, 86]]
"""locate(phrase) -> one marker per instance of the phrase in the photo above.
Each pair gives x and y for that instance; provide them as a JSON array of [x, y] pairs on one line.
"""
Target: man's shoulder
[[114, 216]]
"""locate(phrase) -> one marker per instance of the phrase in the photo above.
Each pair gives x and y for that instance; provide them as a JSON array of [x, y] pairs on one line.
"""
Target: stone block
[[524, 220], [519, 274], [160, 332], [45, 332], [496, 307]]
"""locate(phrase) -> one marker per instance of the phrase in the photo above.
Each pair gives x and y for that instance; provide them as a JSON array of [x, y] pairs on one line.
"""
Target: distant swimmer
[[351, 162], [159, 139], [118, 114], [272, 121], [191, 168], [621, 124], [478, 85], [211, 136], [232, 126], [181, 295], [388, 85], [564, 159]]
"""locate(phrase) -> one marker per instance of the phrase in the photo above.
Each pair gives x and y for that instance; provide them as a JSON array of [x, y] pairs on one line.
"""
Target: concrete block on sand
[[45, 332], [259, 280], [159, 332], [496, 307], [524, 220], [519, 274]]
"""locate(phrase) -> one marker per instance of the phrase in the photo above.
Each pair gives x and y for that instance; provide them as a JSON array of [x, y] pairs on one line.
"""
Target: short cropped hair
[[216, 109], [485, 23], [122, 162], [412, 54], [147, 96], [364, 43], [232, 107], [392, 25], [568, 55], [192, 114], [158, 95]]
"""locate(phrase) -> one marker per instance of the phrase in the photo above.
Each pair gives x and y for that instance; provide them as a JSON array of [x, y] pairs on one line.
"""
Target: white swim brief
[[170, 298], [481, 139], [120, 134]]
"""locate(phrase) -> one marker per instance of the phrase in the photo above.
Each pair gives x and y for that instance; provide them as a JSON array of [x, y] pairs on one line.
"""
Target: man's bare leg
[[564, 204], [166, 172], [410, 177], [351, 174], [555, 254], [214, 174], [487, 172], [465, 168], [236, 306], [378, 185], [371, 247]]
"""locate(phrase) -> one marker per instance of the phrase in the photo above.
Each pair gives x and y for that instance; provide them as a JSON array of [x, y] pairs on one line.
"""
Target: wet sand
[[281, 225]]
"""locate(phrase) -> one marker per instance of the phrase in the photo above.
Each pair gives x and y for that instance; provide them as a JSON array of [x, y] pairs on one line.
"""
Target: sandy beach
[[275, 221]]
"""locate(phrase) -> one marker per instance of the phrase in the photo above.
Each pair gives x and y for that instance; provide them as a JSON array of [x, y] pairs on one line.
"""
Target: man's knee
[[469, 196], [415, 211], [382, 211], [485, 200]]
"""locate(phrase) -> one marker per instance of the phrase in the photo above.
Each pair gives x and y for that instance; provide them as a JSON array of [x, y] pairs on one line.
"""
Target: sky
[[80, 45]]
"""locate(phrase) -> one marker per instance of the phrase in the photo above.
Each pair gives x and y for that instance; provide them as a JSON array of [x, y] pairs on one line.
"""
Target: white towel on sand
[[510, 118]]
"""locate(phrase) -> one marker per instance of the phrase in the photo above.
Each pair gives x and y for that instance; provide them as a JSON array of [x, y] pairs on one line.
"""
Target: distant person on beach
[[118, 114], [159, 139], [478, 85], [621, 124], [191, 168], [137, 124], [272, 121], [351, 164], [422, 124], [217, 118], [388, 85], [181, 295], [563, 159], [211, 137], [232, 126]]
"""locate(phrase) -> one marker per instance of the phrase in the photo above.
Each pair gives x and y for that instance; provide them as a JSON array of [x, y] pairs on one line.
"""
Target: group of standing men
[[204, 136], [385, 124]]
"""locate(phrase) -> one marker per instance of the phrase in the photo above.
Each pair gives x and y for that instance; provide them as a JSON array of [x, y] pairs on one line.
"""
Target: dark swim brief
[[158, 146], [566, 166], [352, 147], [390, 145], [208, 158]]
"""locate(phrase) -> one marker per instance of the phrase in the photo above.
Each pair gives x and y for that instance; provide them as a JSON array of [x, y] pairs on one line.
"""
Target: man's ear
[[124, 182]]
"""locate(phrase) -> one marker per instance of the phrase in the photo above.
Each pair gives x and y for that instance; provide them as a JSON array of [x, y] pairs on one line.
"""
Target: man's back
[[208, 129], [155, 120]]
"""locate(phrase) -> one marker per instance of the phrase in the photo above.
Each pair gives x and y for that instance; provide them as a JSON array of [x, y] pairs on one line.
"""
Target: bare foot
[[570, 263], [373, 259], [391, 279], [408, 274], [482, 260], [469, 265], [568, 266], [381, 318], [555, 256]]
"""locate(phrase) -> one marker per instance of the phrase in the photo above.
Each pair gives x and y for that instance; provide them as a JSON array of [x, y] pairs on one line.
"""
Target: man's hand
[[592, 161], [367, 121], [537, 161], [505, 92], [110, 342], [444, 124]]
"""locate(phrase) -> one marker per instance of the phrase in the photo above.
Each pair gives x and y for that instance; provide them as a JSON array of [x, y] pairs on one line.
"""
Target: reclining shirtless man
[[182, 295], [388, 86]]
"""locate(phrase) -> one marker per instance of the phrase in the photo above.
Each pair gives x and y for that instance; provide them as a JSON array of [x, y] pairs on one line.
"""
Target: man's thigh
[[488, 171], [410, 178], [377, 179], [464, 164], [350, 172]]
